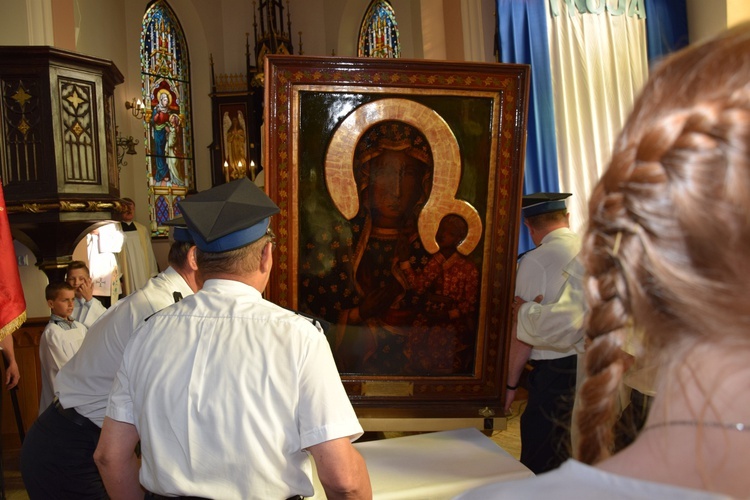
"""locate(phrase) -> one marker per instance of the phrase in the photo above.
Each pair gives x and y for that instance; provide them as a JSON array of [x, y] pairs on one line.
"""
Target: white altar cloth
[[434, 466]]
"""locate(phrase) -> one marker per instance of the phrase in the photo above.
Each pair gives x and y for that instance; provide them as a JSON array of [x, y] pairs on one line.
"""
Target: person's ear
[[266, 258], [50, 303], [192, 259]]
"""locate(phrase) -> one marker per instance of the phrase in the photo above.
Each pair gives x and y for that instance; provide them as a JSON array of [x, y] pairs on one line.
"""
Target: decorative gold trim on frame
[[65, 206]]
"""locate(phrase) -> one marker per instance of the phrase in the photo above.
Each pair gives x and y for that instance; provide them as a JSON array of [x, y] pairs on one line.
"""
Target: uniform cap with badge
[[228, 216]]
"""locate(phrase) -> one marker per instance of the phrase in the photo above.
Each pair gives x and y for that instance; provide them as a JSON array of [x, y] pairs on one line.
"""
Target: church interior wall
[[110, 29], [15, 30]]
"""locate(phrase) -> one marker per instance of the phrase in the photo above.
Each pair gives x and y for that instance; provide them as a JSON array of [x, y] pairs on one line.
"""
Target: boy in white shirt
[[61, 338], [86, 308]]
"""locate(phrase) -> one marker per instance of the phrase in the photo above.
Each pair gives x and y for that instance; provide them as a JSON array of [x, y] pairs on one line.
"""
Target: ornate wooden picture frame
[[399, 183]]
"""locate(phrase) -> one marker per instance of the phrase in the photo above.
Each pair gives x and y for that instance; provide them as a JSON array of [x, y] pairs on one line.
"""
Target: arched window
[[165, 83], [378, 34]]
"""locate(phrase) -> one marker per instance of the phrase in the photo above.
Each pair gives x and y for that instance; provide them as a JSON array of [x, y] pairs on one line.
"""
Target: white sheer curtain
[[599, 64]]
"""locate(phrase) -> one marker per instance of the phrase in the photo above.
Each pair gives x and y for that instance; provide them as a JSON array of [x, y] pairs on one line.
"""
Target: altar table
[[434, 466]]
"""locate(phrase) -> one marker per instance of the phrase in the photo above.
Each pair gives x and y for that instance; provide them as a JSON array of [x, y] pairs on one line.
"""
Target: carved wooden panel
[[26, 344], [80, 140], [22, 130]]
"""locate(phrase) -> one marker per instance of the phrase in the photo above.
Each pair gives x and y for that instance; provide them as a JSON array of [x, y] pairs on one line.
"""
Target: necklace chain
[[734, 426]]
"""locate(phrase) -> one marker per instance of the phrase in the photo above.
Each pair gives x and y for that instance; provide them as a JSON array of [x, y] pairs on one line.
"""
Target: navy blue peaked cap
[[228, 216], [542, 203]]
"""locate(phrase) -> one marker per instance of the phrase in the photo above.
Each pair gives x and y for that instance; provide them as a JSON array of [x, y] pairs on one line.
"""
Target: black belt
[[564, 360], [72, 415], [155, 496]]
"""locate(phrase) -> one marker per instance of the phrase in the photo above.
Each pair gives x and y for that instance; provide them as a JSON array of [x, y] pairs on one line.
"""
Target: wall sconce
[[136, 107], [125, 145]]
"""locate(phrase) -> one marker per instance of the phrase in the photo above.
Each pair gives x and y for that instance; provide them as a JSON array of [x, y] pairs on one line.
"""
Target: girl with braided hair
[[666, 253]]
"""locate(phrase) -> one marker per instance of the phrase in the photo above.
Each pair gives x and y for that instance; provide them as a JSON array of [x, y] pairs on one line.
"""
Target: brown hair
[[76, 264], [239, 261], [666, 246], [178, 254], [53, 289], [542, 221]]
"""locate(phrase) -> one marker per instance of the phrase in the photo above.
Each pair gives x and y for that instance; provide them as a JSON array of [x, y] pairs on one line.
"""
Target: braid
[[665, 249], [606, 322]]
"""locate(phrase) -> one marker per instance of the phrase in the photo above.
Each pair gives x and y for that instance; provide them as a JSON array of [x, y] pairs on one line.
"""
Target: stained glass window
[[167, 120], [378, 34]]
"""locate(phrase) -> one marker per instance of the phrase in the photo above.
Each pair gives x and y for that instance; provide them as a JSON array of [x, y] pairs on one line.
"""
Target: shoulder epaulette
[[318, 323], [524, 253], [177, 297]]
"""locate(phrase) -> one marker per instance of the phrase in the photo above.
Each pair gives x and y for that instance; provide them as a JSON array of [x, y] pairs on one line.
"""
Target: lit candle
[[226, 170]]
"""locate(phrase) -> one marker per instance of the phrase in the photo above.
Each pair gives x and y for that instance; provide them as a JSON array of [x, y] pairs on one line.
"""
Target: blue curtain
[[666, 27], [522, 38]]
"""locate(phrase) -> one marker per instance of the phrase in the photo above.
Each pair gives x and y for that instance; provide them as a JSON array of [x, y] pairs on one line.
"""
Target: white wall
[[33, 282], [433, 30], [706, 19], [738, 11], [14, 30]]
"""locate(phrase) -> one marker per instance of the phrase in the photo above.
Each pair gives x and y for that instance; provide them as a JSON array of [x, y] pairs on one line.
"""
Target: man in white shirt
[[550, 345], [57, 456], [87, 308], [252, 389]]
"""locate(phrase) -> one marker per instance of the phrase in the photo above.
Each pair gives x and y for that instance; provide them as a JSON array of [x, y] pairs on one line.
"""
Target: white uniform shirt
[[541, 272], [58, 344], [583, 482], [557, 324], [84, 383], [226, 391], [87, 312]]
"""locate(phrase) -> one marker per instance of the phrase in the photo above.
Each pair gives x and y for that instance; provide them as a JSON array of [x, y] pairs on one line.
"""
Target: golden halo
[[339, 170], [164, 91]]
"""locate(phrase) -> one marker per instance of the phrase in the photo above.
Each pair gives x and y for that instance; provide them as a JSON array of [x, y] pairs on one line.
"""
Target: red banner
[[12, 302]]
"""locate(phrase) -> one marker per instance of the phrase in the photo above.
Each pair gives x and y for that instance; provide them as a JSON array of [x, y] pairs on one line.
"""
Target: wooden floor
[[14, 489], [510, 438]]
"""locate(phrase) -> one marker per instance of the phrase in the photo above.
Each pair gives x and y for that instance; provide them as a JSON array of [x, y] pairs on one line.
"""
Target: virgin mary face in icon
[[396, 187], [393, 170]]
